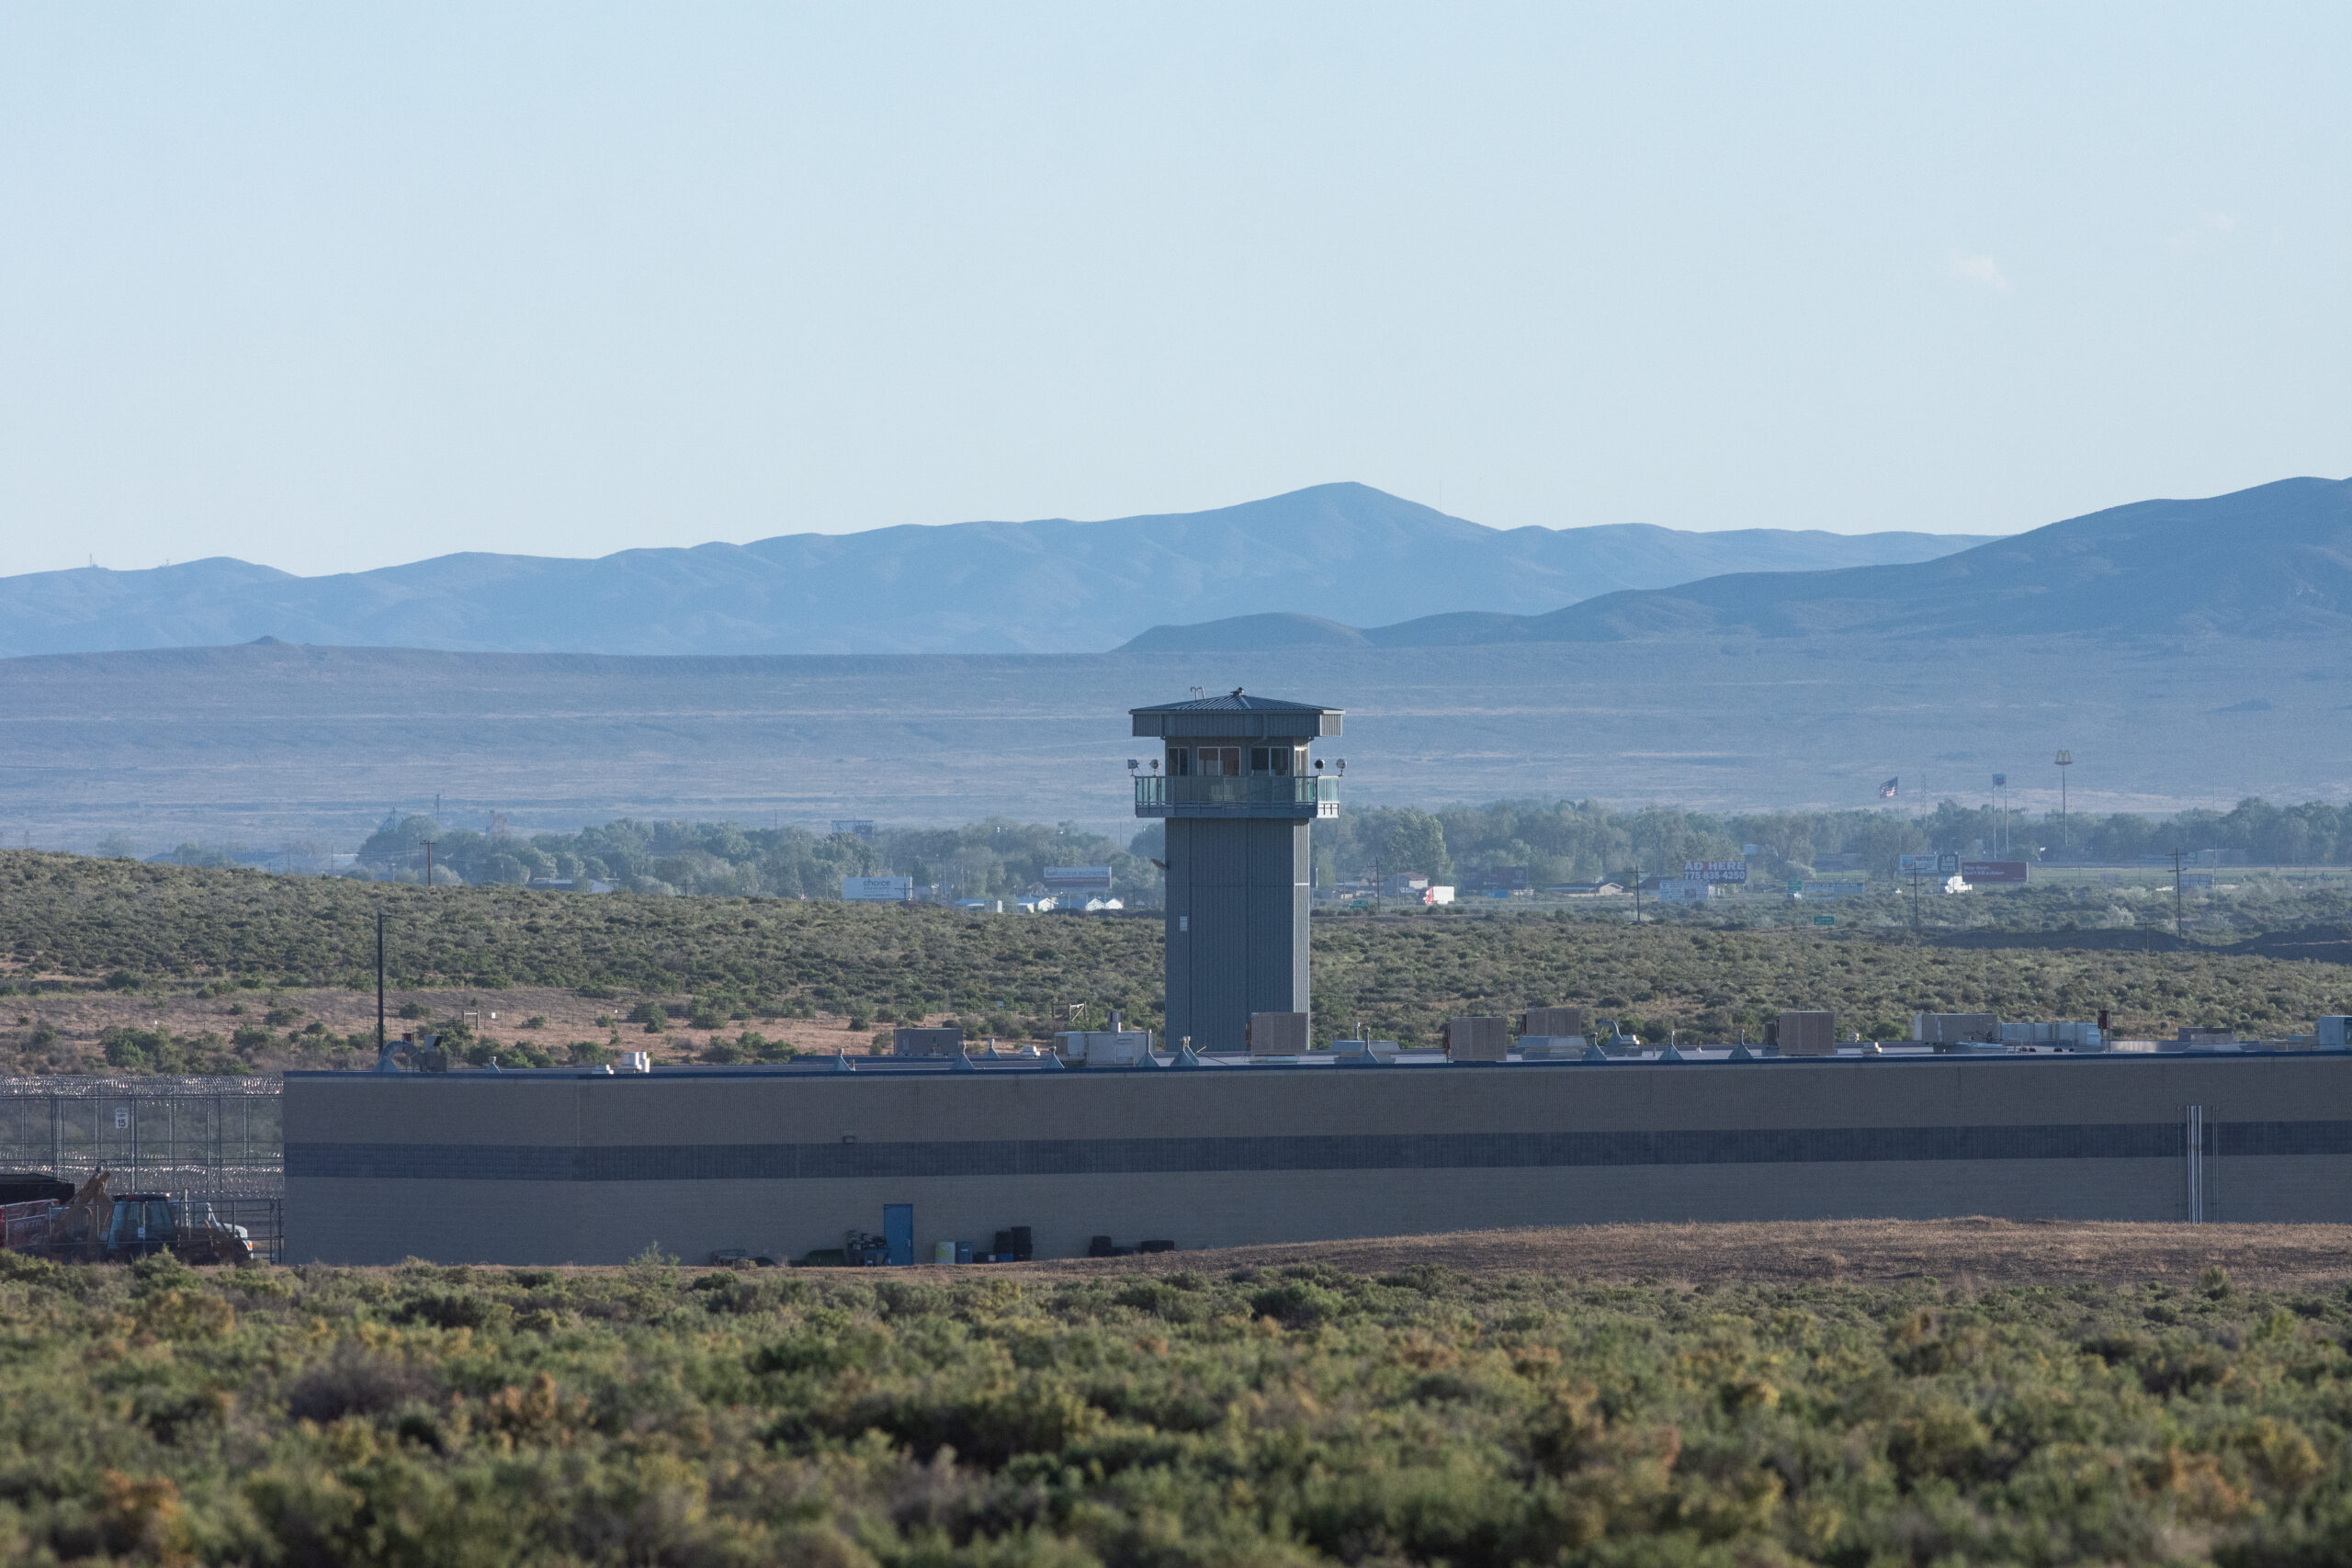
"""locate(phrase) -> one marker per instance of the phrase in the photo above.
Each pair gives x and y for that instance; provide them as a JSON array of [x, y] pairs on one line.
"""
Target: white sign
[[1714, 871], [1945, 865], [879, 889]]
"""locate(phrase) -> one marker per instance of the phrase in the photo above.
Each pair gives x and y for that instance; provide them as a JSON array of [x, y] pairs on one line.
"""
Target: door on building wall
[[899, 1232]]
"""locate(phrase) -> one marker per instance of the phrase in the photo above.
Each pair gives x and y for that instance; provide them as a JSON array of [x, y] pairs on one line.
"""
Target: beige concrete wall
[[361, 1218]]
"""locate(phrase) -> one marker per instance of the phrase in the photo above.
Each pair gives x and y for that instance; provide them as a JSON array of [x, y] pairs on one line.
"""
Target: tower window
[[1258, 759]]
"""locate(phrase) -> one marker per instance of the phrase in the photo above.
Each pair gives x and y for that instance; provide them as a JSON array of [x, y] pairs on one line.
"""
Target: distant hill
[[2273, 561], [1342, 551]]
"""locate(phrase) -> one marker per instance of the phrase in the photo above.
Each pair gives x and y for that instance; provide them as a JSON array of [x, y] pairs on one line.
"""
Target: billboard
[[879, 889], [1061, 879], [1714, 871], [1992, 870], [1938, 864]]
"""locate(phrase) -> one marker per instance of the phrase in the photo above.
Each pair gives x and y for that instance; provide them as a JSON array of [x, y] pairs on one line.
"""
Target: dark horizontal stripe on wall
[[1149, 1156], [2278, 1137]]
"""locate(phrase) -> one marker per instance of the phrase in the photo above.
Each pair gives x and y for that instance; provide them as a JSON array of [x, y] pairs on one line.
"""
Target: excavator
[[93, 1227]]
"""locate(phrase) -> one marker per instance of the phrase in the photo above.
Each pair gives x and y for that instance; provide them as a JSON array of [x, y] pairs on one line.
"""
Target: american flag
[[1886, 790]]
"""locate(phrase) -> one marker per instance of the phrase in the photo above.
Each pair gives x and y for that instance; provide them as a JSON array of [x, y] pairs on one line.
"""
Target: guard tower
[[1240, 795]]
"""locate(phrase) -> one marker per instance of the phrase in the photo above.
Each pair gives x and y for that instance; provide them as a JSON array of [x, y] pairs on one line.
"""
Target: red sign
[[1993, 870]]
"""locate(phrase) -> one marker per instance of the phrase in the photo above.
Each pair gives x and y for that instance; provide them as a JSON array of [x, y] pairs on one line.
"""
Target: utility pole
[[2177, 932], [379, 983], [1914, 903], [428, 845], [1637, 893], [2001, 782], [2066, 760]]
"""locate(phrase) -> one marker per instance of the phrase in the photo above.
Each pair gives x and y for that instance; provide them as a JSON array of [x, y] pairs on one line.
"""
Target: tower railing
[[1158, 795]]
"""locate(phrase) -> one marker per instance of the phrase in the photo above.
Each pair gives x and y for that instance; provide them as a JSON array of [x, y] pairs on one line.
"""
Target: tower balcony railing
[[1160, 795]]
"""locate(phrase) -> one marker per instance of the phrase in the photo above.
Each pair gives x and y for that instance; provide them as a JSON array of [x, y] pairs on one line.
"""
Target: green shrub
[[643, 1413]]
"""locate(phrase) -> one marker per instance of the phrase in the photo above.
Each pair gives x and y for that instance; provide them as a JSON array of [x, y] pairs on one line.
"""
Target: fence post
[[2194, 1137]]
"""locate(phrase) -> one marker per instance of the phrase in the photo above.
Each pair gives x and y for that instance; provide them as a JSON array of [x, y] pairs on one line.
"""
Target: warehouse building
[[562, 1166]]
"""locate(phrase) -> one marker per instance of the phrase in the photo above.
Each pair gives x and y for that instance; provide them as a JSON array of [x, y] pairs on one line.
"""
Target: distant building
[[1831, 890], [1584, 889], [1688, 890], [1078, 881], [853, 827]]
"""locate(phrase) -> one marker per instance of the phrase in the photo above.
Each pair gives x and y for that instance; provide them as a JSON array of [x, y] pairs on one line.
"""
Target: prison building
[[568, 1166]]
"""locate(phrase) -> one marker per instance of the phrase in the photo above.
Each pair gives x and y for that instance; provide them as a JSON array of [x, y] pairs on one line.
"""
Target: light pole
[[2066, 760], [2001, 786]]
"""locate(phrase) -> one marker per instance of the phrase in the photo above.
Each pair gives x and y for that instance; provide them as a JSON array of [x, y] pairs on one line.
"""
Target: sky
[[331, 287]]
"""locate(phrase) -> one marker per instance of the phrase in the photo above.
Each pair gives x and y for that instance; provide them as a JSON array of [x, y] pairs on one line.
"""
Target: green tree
[[1415, 842]]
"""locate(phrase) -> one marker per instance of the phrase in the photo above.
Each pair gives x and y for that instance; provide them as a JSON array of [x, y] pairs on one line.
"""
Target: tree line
[[1547, 842], [1584, 841], [998, 858]]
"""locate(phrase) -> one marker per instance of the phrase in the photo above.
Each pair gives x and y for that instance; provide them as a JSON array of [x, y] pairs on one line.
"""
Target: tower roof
[[1235, 713]]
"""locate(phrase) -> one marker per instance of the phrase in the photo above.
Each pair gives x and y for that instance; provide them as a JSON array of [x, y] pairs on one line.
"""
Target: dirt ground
[[506, 1015], [1861, 1252]]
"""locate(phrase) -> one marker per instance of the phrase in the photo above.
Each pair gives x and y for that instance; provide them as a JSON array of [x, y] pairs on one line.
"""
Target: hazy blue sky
[[334, 285]]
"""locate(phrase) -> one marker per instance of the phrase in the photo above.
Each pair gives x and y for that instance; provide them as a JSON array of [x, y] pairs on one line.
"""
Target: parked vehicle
[[93, 1226]]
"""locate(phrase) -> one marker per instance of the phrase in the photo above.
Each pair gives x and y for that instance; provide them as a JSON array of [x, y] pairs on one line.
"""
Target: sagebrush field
[[164, 968], [446, 1417]]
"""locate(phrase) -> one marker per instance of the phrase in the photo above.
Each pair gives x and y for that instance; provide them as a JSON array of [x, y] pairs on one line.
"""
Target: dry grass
[[1984, 1251], [78, 1017]]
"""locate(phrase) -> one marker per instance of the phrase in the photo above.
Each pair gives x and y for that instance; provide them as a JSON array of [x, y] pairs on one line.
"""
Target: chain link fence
[[220, 1140]]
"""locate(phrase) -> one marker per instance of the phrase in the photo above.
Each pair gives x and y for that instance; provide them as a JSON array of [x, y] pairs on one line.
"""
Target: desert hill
[[1054, 586], [2270, 562]]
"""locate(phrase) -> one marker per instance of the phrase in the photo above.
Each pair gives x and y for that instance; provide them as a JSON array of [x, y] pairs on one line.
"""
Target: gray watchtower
[[1240, 796]]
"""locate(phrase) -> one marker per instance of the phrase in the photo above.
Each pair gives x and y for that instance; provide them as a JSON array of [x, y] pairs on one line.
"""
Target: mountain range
[[1345, 552], [2274, 561]]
